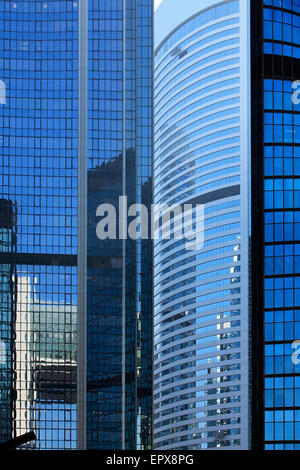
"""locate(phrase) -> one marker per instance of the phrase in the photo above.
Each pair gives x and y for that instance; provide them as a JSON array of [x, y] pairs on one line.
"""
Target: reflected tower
[[7, 320], [76, 103], [276, 224]]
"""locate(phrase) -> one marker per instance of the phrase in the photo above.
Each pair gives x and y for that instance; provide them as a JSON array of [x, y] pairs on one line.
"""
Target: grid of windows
[[281, 211], [197, 294], [7, 319], [105, 182], [142, 121], [38, 161], [39, 166], [38, 157], [119, 287], [229, 8], [46, 355]]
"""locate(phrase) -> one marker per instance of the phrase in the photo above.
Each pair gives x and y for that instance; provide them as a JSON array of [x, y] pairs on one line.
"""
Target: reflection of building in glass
[[104, 307], [46, 345], [202, 155], [7, 319], [72, 104], [276, 224], [202, 88], [105, 304], [23, 363], [119, 285]]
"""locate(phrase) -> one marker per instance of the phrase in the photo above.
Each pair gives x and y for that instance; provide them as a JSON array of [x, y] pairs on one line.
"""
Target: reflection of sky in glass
[[56, 425], [55, 284], [39, 160], [282, 230], [38, 163]]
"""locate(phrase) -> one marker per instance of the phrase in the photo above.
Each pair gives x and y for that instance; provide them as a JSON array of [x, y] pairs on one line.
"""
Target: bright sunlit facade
[[202, 155]]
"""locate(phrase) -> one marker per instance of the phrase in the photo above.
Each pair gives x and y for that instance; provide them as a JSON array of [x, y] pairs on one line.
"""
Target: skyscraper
[[76, 132], [276, 218], [226, 317], [202, 156]]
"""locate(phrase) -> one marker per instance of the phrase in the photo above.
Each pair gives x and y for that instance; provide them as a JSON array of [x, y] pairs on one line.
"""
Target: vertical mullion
[[82, 223]]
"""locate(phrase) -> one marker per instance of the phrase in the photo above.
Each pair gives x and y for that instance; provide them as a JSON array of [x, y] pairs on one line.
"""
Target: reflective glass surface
[[38, 161], [39, 155], [282, 218], [197, 294], [119, 283]]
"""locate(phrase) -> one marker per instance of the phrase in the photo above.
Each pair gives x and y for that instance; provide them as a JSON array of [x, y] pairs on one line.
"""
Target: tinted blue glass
[[38, 221], [197, 294], [282, 268], [119, 306], [38, 161]]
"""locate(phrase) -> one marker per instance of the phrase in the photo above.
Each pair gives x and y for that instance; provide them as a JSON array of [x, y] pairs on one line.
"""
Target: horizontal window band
[[58, 260], [215, 195], [38, 259]]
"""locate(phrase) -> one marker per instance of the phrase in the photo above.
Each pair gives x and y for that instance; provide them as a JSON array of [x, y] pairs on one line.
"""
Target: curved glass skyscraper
[[202, 156]]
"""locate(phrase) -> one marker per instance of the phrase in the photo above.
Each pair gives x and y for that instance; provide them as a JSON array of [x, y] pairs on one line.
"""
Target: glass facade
[[41, 150], [201, 296], [119, 287], [282, 224], [38, 161], [7, 319]]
